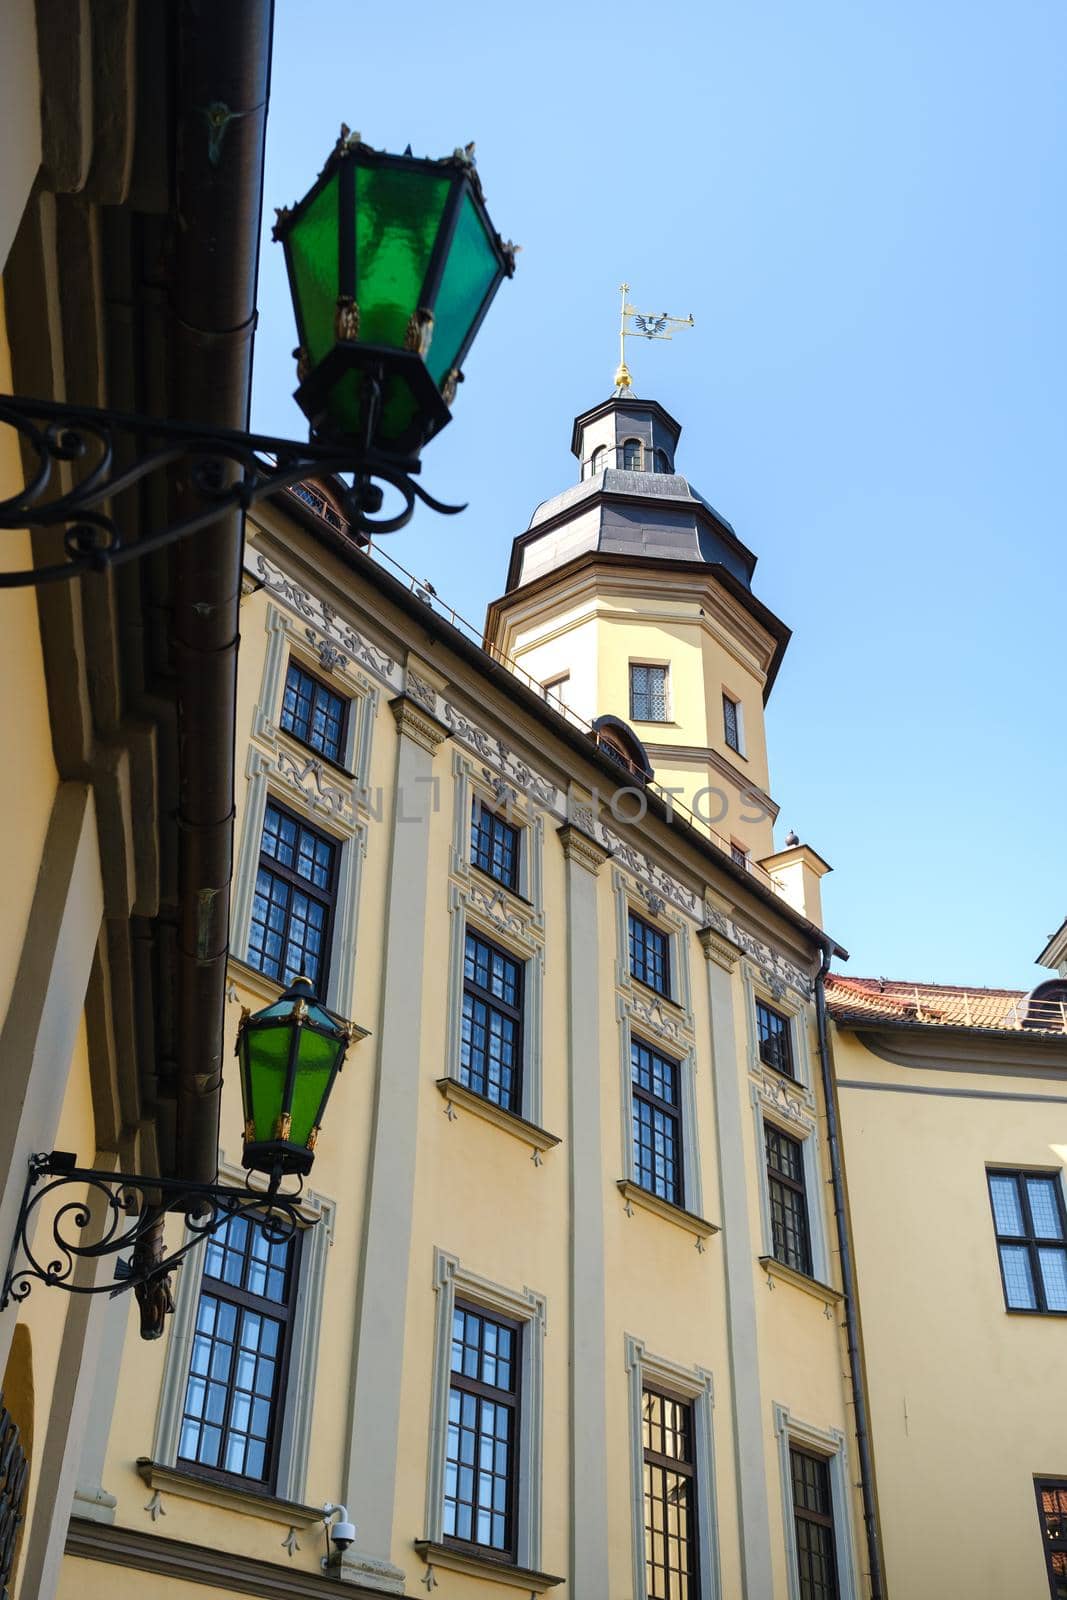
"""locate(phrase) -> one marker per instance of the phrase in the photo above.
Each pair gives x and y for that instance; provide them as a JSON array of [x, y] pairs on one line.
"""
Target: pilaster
[[588, 1399], [378, 1353], [757, 1577]]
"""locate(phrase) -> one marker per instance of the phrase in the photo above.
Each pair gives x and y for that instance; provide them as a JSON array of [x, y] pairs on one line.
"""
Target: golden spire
[[645, 325]]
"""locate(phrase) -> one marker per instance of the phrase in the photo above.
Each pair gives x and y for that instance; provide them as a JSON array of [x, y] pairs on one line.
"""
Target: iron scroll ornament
[[114, 1212], [226, 469]]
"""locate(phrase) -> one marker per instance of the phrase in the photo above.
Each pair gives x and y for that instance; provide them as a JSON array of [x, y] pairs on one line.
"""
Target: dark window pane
[[491, 1029], [648, 694], [731, 723], [775, 1041], [480, 1464], [1027, 1213], [289, 932], [789, 1208], [494, 845], [669, 1499], [232, 1394], [813, 1522], [656, 1122], [650, 955], [313, 713], [631, 455]]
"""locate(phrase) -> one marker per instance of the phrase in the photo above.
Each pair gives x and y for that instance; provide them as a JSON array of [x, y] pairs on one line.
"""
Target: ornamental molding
[[496, 909], [309, 778], [498, 756], [657, 1019], [580, 848], [417, 725], [326, 620], [773, 1095], [421, 692]]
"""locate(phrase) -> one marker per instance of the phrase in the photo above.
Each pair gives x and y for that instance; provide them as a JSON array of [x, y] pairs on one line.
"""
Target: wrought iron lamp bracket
[[114, 1212], [110, 452]]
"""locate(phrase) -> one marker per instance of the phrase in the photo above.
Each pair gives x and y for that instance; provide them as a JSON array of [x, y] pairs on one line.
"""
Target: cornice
[[579, 847], [703, 755], [924, 1047], [416, 723], [718, 949], [189, 1564]]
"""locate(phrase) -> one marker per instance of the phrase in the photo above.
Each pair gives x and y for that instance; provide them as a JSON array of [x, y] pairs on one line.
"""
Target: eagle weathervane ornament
[[644, 325]]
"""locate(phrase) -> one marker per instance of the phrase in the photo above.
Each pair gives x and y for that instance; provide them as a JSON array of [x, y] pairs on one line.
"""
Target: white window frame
[[735, 700], [695, 1385], [528, 900], [327, 809], [668, 697], [806, 1133], [793, 1007], [305, 1322], [325, 662], [653, 910], [551, 686], [829, 1443], [453, 1281], [686, 1058]]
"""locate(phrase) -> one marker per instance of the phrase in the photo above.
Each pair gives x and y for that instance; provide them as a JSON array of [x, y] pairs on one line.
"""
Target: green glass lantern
[[289, 1054], [393, 263]]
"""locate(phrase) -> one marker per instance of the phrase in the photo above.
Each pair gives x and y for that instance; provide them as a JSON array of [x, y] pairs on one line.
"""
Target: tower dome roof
[[629, 501]]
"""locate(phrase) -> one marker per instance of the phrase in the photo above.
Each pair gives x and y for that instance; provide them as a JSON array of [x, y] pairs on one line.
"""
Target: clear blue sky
[[862, 205]]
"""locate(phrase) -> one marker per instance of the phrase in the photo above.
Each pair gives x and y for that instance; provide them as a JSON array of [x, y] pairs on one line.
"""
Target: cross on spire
[[643, 325]]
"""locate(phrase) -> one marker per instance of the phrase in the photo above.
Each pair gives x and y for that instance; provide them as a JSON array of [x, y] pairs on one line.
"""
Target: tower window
[[632, 455], [600, 460], [731, 722], [662, 464], [648, 693]]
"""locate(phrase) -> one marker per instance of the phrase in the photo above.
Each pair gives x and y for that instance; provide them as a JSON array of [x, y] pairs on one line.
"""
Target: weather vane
[[645, 325]]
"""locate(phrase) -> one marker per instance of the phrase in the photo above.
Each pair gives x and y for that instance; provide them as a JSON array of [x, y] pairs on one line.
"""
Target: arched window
[[662, 464], [600, 459], [631, 455]]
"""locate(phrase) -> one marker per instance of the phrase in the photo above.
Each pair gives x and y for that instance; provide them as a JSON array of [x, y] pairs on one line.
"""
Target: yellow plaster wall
[[28, 803], [967, 1400]]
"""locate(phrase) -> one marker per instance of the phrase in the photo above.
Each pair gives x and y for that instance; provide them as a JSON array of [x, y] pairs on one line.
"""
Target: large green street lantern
[[393, 263], [289, 1055]]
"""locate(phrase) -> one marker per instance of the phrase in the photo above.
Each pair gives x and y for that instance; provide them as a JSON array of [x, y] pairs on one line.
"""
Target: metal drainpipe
[[223, 84], [848, 1280]]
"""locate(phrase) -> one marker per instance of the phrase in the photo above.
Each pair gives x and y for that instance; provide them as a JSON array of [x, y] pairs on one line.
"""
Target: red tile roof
[[863, 1000]]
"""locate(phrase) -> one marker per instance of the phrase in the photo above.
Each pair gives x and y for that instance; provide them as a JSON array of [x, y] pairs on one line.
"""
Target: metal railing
[[423, 590]]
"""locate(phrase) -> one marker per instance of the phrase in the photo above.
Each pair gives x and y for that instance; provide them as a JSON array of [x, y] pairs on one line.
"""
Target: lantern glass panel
[[314, 1068], [468, 276], [265, 1065], [398, 214], [313, 258]]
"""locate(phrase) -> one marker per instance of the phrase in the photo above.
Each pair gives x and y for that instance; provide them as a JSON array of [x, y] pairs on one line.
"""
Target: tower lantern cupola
[[626, 435]]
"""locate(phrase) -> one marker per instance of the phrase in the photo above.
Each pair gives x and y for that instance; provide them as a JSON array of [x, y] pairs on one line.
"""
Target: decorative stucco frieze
[[418, 725], [775, 1096], [327, 621], [310, 777], [657, 1019]]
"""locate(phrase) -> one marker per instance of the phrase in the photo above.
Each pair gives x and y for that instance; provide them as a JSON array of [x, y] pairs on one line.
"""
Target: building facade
[[567, 1312]]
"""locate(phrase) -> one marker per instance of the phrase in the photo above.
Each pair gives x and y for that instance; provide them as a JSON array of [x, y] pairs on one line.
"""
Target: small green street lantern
[[393, 263], [289, 1054]]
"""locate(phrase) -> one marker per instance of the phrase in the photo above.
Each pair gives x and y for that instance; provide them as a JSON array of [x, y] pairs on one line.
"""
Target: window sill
[[634, 1195], [253, 1502], [477, 1566], [457, 1094], [800, 1280]]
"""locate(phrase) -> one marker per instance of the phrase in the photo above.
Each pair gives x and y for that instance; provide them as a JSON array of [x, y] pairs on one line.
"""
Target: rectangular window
[[671, 1567], [1052, 1509], [650, 955], [1031, 1239], [313, 713], [739, 855], [648, 693], [657, 1130], [731, 722], [775, 1040], [494, 845], [813, 1515], [490, 1057], [292, 907], [231, 1412], [559, 689], [789, 1205], [483, 1418]]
